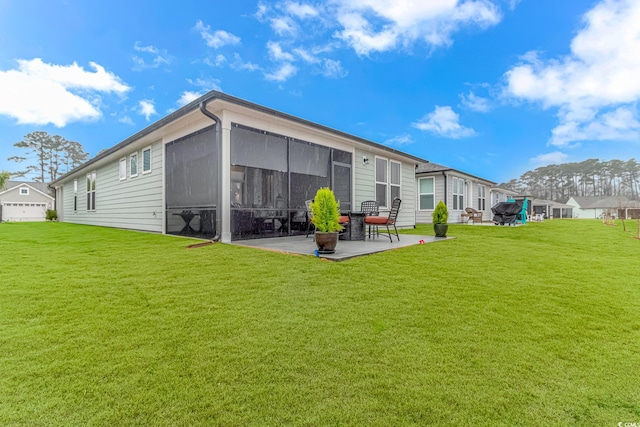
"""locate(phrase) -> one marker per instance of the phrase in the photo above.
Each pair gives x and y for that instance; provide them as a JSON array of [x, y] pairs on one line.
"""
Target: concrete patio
[[345, 250]]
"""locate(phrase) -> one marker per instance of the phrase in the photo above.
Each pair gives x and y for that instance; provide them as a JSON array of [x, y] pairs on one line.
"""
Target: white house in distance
[[225, 166], [458, 190], [596, 207], [25, 201]]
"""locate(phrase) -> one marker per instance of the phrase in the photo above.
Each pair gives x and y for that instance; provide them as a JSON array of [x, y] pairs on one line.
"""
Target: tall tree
[[4, 178], [48, 154]]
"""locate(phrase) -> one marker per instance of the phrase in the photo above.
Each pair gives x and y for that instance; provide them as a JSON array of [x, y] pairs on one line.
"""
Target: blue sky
[[491, 87]]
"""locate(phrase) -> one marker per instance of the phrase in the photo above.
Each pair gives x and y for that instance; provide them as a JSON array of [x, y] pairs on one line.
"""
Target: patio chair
[[370, 207], [307, 204], [377, 221]]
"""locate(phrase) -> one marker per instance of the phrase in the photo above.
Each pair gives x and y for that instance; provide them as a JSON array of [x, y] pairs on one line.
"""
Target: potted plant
[[440, 217], [325, 216]]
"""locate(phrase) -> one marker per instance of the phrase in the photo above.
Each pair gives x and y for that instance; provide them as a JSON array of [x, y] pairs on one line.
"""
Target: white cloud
[[276, 53], [147, 108], [596, 87], [40, 93], [333, 69], [404, 139], [444, 122], [217, 38], [475, 103], [283, 25], [239, 64], [156, 59], [553, 158], [301, 11], [188, 96], [148, 49], [283, 73], [380, 25], [206, 84], [126, 120], [306, 56]]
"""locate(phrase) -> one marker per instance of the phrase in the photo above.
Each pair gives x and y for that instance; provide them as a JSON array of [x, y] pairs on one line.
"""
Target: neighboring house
[[25, 201], [550, 209], [596, 207], [225, 166], [458, 190], [499, 194]]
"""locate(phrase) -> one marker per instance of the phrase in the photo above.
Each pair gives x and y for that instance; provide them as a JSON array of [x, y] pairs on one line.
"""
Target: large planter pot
[[326, 242], [441, 229]]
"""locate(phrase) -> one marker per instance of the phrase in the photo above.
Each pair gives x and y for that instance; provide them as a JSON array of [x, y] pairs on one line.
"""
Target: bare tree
[[49, 153]]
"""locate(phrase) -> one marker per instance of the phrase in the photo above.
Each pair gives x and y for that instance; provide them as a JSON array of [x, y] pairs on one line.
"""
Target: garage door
[[24, 211]]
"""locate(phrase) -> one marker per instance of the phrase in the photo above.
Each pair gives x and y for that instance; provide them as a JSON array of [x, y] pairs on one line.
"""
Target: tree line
[[591, 177], [47, 157]]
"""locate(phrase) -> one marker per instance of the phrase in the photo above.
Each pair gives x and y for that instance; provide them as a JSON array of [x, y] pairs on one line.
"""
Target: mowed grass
[[535, 326]]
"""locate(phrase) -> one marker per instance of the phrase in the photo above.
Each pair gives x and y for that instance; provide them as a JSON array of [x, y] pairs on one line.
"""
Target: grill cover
[[506, 212]]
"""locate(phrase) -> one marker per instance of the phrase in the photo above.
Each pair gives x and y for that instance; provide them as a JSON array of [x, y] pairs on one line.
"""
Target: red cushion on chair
[[343, 219], [377, 220]]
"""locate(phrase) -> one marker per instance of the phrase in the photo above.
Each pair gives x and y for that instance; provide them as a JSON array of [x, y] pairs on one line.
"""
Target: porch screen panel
[[310, 169], [192, 171], [342, 185]]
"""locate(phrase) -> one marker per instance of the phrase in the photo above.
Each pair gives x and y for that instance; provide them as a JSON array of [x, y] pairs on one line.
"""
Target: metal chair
[[374, 220], [370, 208]]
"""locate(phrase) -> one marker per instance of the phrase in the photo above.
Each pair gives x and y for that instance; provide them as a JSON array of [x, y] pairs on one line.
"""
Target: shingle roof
[[40, 186], [435, 167], [595, 202]]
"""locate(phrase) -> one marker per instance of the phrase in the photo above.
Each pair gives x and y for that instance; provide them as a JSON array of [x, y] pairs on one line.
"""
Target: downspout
[[218, 142], [444, 174]]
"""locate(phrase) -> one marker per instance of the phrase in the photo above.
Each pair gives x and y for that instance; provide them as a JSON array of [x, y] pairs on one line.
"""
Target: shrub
[[52, 215], [325, 211], [440, 213]]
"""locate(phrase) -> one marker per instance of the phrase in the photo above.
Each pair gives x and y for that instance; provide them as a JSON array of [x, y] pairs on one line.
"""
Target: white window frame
[[482, 197], [420, 194], [122, 169], [385, 183], [392, 184], [458, 187], [133, 156], [146, 149], [26, 191], [91, 191]]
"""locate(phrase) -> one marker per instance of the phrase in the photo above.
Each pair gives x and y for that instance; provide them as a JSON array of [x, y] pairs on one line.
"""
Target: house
[[223, 166], [598, 207], [458, 190], [550, 208], [25, 201]]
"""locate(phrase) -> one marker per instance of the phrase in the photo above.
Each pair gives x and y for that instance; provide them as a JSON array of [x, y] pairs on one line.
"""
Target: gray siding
[[134, 203], [365, 184], [14, 196]]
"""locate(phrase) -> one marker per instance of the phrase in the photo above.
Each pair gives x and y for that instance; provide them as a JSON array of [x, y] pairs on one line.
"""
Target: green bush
[[440, 213], [52, 215], [325, 211]]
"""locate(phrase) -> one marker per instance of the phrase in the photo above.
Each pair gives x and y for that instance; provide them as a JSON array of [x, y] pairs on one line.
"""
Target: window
[[381, 181], [91, 191], [123, 169], [458, 193], [24, 191], [146, 160], [75, 195], [426, 193], [133, 165], [394, 176], [481, 197]]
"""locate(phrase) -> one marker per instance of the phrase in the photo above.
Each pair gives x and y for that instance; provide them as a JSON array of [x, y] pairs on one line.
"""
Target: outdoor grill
[[506, 212]]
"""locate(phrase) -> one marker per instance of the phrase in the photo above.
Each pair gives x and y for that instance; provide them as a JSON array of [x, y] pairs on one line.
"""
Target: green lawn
[[535, 326]]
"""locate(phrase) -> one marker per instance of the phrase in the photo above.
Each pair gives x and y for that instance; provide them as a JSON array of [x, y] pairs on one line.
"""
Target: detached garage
[[25, 201]]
